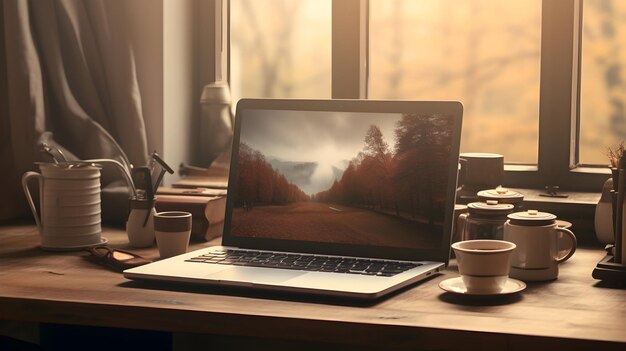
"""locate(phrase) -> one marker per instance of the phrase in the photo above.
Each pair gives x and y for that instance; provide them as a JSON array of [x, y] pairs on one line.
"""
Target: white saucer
[[456, 286], [73, 248]]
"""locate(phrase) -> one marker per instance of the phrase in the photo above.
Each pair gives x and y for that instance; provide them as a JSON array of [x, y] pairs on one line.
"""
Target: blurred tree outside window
[[603, 79], [483, 53], [486, 54], [280, 48]]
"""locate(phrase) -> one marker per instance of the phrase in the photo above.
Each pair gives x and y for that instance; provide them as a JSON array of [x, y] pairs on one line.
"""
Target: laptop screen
[[362, 177]]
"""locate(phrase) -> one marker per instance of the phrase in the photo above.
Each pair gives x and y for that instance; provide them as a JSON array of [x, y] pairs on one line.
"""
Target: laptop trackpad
[[255, 275]]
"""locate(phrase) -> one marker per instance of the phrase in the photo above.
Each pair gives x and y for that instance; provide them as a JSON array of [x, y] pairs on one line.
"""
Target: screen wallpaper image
[[343, 177]]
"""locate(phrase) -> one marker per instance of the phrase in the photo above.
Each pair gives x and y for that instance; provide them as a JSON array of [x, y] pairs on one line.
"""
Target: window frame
[[559, 118]]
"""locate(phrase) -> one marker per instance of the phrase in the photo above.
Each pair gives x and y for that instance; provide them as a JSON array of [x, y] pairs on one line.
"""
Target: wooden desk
[[573, 313]]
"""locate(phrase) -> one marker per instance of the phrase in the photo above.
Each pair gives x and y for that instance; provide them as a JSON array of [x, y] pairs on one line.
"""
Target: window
[[603, 79], [280, 48], [484, 53], [523, 69]]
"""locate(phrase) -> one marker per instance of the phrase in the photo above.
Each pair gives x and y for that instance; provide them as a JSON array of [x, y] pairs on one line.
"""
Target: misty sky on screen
[[326, 138]]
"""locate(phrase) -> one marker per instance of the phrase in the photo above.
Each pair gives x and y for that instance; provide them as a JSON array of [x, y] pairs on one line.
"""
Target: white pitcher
[[69, 198], [540, 248]]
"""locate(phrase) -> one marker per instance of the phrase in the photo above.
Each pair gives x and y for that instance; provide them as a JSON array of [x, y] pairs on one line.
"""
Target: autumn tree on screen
[[422, 147], [259, 184], [410, 181], [377, 166]]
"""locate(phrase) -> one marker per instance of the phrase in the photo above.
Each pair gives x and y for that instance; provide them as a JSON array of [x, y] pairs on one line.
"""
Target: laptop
[[341, 198]]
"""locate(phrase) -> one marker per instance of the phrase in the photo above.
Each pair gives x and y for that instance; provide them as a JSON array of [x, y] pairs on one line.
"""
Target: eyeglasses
[[116, 259]]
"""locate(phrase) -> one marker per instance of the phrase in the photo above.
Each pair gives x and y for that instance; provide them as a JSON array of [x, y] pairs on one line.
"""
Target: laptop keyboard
[[304, 262]]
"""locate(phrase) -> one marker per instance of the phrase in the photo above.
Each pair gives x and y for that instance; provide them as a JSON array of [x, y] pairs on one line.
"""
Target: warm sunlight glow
[[603, 84], [483, 53], [280, 48]]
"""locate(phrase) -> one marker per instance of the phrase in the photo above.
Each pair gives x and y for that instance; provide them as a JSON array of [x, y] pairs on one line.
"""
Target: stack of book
[[206, 205]]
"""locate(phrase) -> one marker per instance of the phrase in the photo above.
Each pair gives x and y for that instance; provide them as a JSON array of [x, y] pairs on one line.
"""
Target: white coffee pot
[[541, 245]]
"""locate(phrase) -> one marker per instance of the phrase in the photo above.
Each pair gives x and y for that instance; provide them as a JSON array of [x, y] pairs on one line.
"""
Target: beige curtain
[[68, 68]]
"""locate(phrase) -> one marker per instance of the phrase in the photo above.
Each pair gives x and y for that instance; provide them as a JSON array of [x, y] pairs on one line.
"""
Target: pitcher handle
[[461, 222], [25, 179], [572, 250]]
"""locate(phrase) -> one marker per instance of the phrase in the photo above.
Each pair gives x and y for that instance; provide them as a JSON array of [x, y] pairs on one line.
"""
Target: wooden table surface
[[574, 312]]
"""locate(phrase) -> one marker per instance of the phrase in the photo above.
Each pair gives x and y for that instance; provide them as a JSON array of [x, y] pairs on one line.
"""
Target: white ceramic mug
[[172, 230], [538, 253], [69, 203], [484, 265]]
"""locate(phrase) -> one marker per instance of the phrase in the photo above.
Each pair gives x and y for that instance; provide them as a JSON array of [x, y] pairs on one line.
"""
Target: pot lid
[[563, 224], [490, 208], [502, 195], [532, 217], [460, 207]]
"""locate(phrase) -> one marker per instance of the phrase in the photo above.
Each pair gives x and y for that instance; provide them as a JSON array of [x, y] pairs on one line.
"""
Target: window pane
[[280, 48], [483, 53], [603, 79]]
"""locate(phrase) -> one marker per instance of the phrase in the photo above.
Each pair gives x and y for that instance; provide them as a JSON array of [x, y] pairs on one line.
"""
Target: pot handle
[[25, 178], [461, 223], [569, 254]]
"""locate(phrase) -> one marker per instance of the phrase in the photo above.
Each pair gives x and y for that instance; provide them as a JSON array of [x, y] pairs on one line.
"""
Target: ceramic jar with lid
[[503, 196], [541, 245], [484, 220]]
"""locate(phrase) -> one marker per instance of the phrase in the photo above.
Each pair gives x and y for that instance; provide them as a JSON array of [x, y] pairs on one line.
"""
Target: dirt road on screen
[[312, 221]]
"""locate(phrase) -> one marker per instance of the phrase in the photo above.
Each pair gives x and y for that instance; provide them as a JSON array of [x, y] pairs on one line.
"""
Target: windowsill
[[520, 168], [574, 197], [534, 168], [592, 170]]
